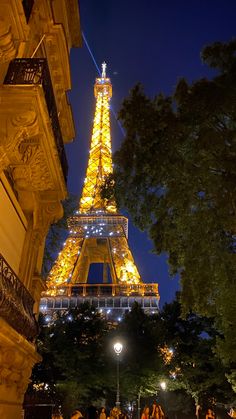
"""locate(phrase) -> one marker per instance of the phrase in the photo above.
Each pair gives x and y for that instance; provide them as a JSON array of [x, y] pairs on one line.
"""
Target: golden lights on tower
[[100, 157], [98, 234]]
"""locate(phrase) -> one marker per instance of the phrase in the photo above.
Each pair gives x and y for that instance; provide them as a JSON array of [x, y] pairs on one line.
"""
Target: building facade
[[35, 121]]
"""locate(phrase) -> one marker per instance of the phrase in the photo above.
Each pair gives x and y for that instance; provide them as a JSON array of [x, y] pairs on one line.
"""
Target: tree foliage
[[175, 173], [142, 364], [79, 364], [194, 366], [73, 365]]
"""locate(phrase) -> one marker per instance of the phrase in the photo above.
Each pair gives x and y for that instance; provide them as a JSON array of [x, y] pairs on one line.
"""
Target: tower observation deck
[[98, 234]]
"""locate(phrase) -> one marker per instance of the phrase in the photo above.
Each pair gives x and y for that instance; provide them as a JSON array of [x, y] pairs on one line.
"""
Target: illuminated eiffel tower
[[98, 234]]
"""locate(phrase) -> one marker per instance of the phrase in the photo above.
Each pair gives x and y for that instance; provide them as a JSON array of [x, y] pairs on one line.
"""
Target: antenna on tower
[[104, 66]]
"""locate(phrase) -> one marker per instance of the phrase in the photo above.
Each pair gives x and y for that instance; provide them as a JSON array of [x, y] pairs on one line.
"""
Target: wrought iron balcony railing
[[27, 6], [16, 303], [36, 71]]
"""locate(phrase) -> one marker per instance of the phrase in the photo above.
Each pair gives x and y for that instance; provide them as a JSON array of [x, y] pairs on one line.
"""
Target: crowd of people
[[155, 412], [210, 414], [93, 413]]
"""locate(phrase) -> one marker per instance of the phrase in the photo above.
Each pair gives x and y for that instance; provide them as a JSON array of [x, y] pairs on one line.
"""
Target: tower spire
[[104, 66], [100, 156]]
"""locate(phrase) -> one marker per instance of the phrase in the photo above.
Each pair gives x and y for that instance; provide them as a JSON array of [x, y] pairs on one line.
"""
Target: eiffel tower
[[98, 234]]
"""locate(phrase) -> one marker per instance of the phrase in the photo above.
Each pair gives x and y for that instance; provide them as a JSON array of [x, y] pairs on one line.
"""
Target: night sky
[[154, 42]]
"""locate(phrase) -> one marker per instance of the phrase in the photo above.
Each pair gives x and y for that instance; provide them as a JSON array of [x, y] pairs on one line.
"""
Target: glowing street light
[[118, 349], [163, 385]]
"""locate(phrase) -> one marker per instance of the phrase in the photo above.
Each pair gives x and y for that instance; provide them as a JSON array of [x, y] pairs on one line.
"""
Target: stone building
[[35, 121]]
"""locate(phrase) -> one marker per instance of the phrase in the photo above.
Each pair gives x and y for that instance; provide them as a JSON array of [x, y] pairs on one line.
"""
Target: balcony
[[35, 71], [16, 303], [110, 299], [98, 290], [98, 225]]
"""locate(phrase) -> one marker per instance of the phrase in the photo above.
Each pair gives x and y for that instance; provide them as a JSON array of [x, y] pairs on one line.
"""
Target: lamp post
[[118, 349], [164, 387]]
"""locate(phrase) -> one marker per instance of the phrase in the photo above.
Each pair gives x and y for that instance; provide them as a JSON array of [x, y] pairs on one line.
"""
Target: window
[[73, 302], [124, 302], [65, 303], [50, 304], [102, 302], [109, 302], [116, 302], [58, 304], [94, 302], [146, 302]]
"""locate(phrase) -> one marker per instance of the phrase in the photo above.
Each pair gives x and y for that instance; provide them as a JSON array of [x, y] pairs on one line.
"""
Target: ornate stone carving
[[21, 127], [32, 91], [40, 177], [28, 148], [21, 176], [30, 169], [24, 119], [46, 214], [25, 155], [54, 209], [15, 369], [7, 46]]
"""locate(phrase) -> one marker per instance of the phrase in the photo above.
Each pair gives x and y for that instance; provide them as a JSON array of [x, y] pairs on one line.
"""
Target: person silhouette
[[157, 412], [76, 415], [103, 413], [210, 414], [145, 414], [232, 413]]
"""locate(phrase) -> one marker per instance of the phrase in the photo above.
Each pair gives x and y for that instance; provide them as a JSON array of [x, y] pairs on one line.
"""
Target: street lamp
[[163, 385], [118, 349]]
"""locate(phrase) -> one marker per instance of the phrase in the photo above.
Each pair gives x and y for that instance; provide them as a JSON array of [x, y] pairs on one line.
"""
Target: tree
[[141, 361], [194, 366], [78, 361], [79, 365], [176, 175], [73, 367]]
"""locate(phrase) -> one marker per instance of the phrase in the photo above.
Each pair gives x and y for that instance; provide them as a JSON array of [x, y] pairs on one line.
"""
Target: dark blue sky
[[154, 42]]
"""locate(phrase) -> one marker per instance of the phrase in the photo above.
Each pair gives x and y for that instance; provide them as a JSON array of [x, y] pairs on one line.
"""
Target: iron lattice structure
[[97, 232]]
